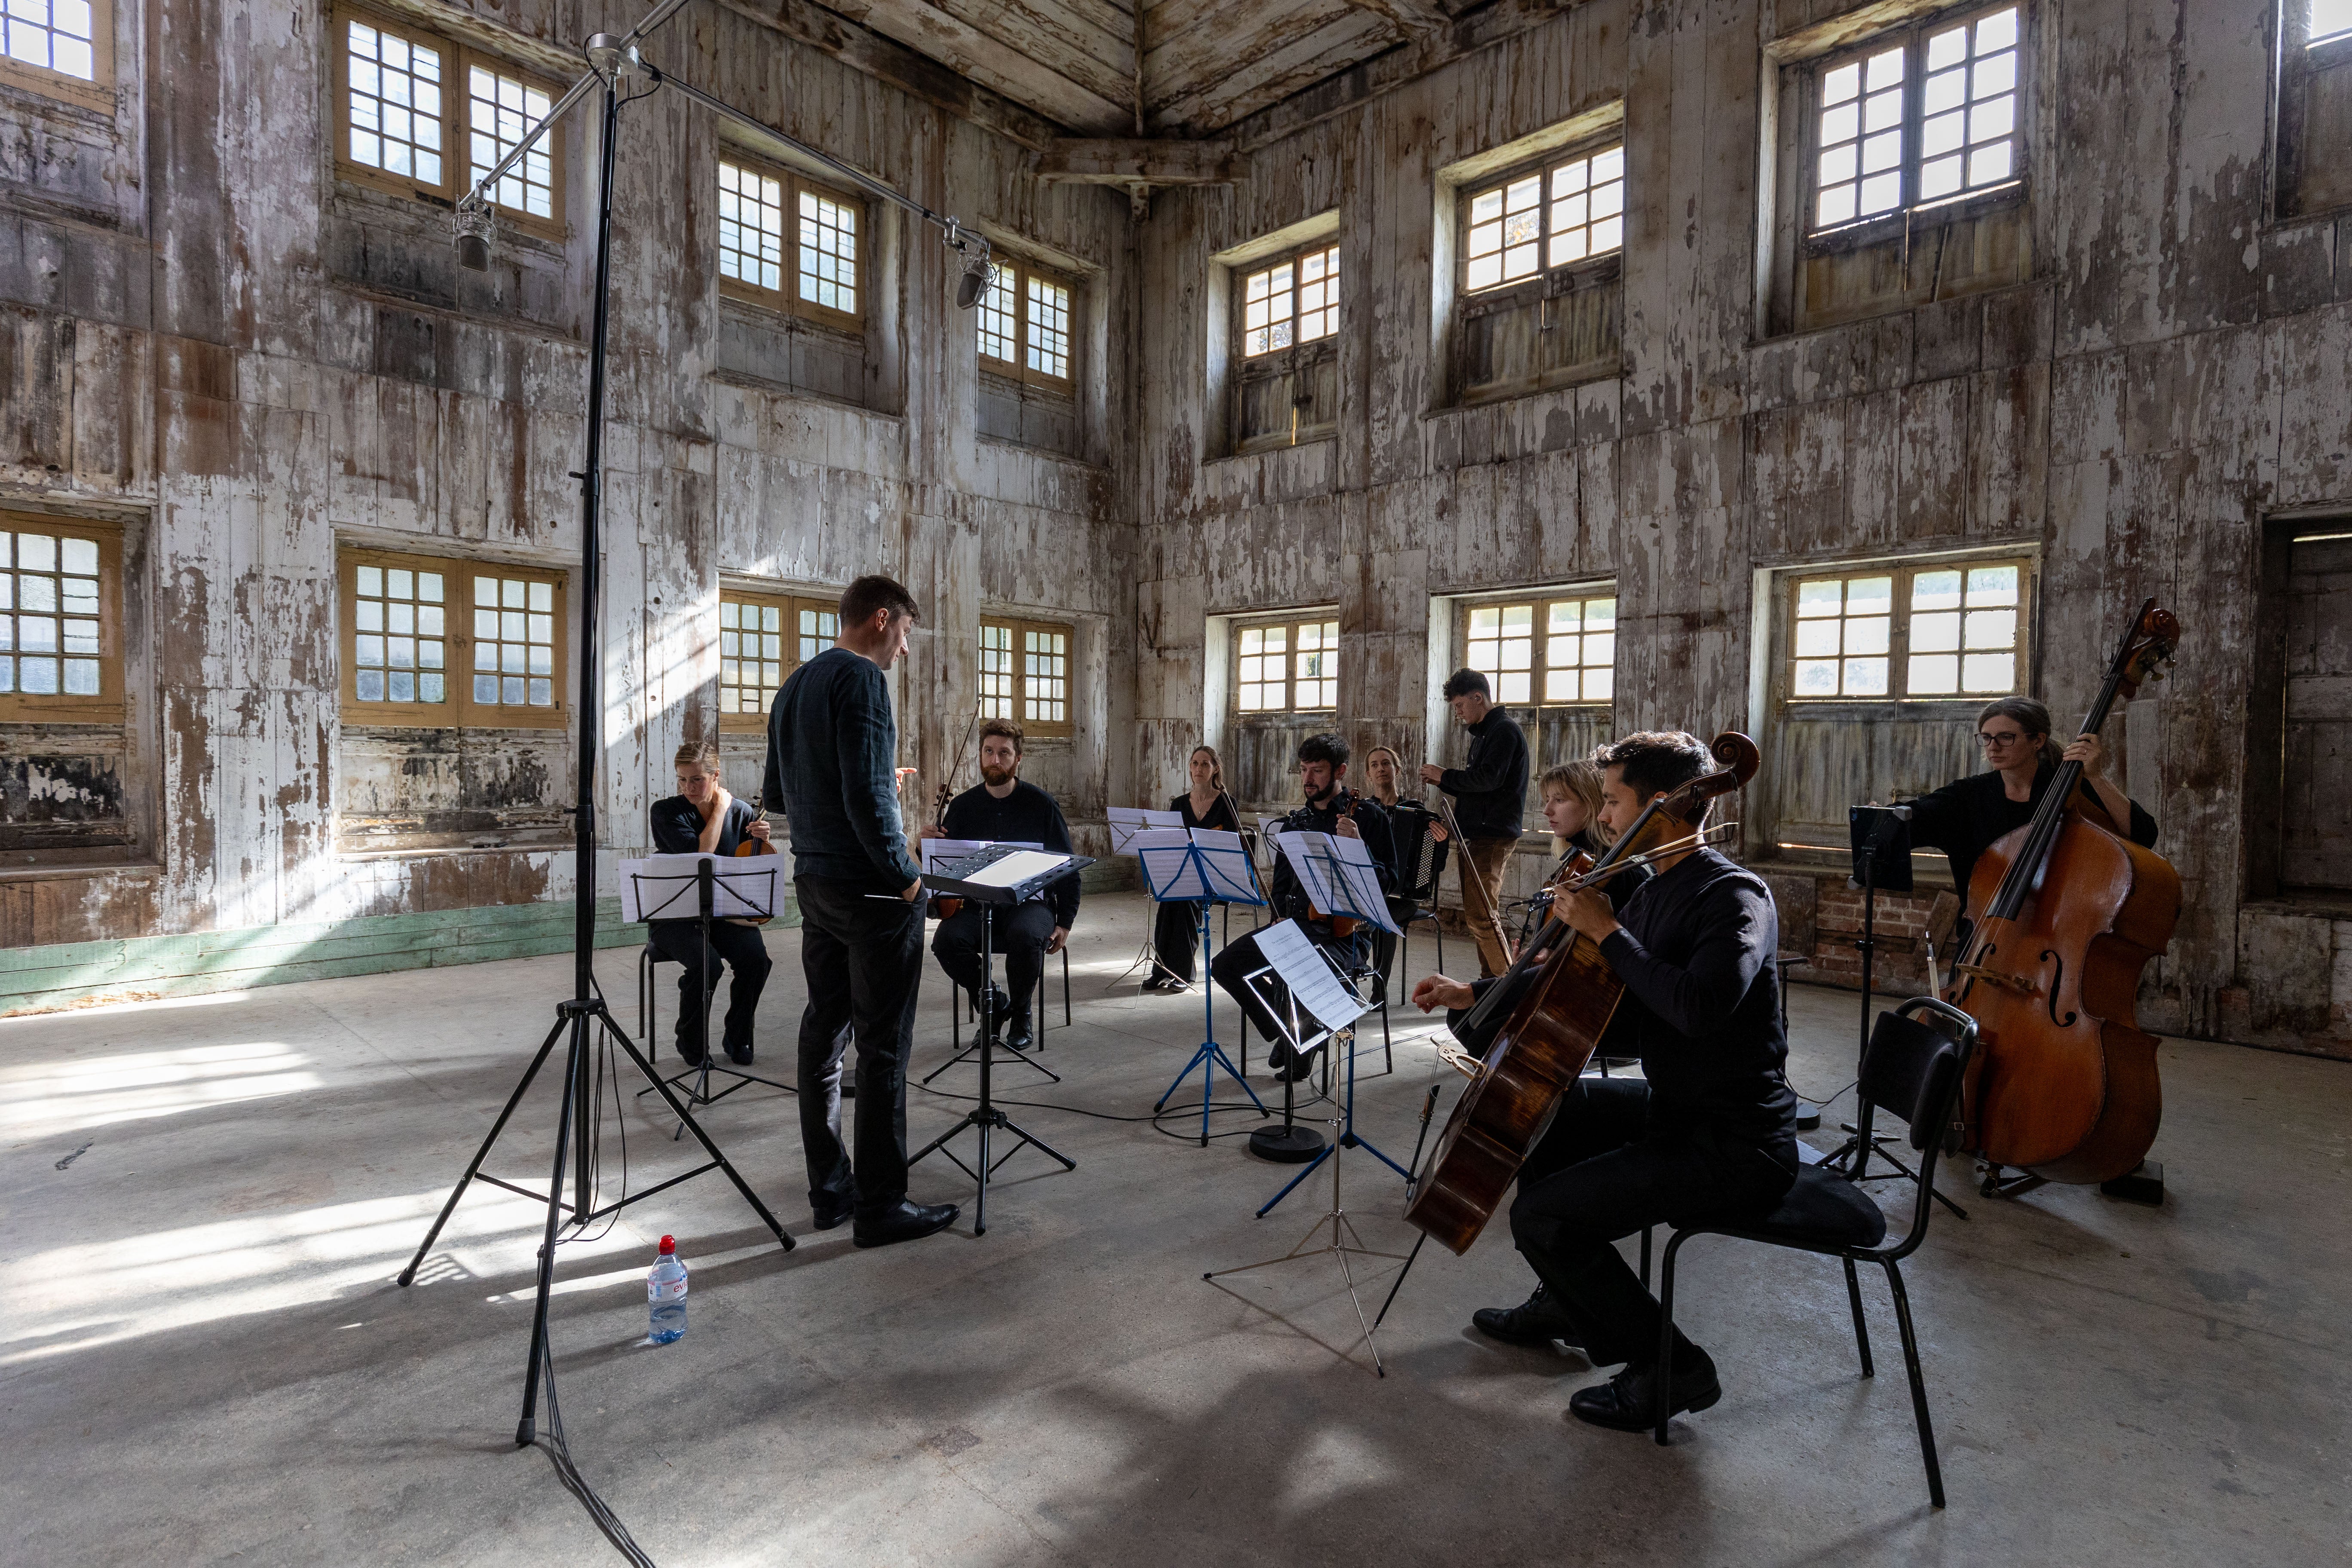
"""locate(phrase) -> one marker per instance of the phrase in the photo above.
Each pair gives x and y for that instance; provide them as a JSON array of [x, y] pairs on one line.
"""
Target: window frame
[[97, 93], [1539, 601], [787, 299], [1910, 211], [789, 606], [457, 709], [1548, 281], [1293, 258], [1298, 361], [62, 708], [1018, 627], [1017, 369], [1903, 569], [1291, 625], [458, 59]]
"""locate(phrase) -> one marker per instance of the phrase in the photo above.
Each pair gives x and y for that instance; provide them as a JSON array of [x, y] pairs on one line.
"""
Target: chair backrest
[[1424, 856], [1918, 1057]]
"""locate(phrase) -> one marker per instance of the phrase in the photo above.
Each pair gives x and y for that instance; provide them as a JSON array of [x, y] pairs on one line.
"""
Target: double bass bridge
[[2022, 984]]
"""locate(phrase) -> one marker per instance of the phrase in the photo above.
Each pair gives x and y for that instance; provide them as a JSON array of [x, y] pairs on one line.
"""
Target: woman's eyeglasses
[[2005, 738]]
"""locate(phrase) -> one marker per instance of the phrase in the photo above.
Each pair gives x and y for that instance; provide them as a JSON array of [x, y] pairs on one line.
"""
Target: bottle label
[[667, 1290]]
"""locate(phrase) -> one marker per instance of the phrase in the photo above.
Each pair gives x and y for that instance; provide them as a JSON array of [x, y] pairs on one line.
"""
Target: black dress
[[1176, 929], [1970, 815]]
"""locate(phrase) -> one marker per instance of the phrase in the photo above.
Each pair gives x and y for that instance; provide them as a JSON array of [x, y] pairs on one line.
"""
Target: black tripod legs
[[983, 1168], [474, 1166]]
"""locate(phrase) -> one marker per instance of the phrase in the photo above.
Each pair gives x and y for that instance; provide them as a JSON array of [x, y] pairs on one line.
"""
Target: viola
[[751, 846], [1538, 1024], [2064, 914]]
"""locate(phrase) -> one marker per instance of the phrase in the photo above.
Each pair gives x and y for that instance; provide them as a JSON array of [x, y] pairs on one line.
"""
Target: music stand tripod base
[[1291, 1145]]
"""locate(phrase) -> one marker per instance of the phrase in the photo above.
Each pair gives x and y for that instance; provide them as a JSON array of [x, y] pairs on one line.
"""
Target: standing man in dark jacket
[[832, 745], [1003, 809], [1707, 1130], [1490, 797]]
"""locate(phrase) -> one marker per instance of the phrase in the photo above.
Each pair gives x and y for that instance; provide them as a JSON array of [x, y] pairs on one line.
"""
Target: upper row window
[[789, 242], [1927, 630], [1918, 117], [1024, 325], [1553, 215], [422, 116], [1295, 300], [61, 47]]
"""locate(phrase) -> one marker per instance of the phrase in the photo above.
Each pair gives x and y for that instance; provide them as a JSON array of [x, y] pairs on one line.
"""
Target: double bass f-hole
[[2057, 983]]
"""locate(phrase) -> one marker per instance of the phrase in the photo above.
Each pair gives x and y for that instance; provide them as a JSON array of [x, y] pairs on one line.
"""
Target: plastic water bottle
[[665, 1290]]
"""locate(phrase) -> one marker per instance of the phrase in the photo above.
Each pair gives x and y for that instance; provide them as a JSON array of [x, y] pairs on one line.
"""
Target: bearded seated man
[[1003, 809]]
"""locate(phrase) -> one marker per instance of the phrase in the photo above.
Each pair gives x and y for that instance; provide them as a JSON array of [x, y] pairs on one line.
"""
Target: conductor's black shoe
[[1018, 1035], [1627, 1402], [1538, 1320], [690, 1052], [902, 1222], [827, 1216], [741, 1055]]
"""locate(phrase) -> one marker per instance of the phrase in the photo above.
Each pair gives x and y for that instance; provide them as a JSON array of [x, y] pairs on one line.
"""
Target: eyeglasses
[[2005, 738]]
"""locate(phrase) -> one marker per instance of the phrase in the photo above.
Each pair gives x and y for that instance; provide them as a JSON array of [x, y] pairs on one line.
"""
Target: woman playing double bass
[[1970, 815], [1710, 1126]]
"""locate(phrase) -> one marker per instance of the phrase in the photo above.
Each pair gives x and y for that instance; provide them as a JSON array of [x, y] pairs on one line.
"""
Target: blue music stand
[[1205, 872]]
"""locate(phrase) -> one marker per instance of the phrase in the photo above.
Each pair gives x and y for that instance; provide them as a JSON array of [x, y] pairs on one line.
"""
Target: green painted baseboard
[[137, 969]]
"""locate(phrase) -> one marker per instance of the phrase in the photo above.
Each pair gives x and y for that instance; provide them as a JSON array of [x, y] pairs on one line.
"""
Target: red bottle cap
[[668, 1246]]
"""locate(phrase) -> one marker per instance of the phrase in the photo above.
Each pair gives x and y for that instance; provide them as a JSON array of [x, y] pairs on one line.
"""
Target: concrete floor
[[205, 1359]]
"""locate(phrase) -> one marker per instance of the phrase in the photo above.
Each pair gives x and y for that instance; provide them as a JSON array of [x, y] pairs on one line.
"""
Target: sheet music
[[937, 852], [1338, 875], [1362, 875], [1128, 821], [1204, 863], [1233, 876], [1312, 983], [1018, 866], [663, 886]]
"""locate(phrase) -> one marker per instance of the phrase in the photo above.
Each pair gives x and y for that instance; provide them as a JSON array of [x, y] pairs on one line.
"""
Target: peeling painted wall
[[2178, 367], [207, 335]]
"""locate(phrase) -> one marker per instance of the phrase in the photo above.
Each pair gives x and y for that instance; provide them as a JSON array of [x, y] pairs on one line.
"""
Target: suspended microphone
[[474, 227], [978, 277]]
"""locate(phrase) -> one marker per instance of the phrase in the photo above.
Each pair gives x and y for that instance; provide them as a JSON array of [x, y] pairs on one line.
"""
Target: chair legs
[[1860, 1334], [1918, 1385], [1664, 1379]]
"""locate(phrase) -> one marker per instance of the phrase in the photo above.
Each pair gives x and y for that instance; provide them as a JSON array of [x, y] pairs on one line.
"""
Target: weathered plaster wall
[[2179, 368], [205, 334]]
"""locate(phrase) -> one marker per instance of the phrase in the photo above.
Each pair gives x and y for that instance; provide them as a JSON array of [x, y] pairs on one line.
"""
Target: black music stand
[[1206, 870], [986, 1013], [1293, 976], [1019, 883], [742, 881]]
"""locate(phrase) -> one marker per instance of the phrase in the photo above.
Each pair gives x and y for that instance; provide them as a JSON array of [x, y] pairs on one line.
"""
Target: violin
[[749, 846], [1537, 1026], [2064, 914]]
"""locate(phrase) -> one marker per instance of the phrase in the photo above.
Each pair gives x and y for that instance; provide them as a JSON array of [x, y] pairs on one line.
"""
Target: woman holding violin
[[703, 819], [1710, 1127], [1176, 931]]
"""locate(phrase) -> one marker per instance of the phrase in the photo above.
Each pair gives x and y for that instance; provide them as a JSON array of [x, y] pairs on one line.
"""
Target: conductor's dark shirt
[[1970, 815], [1027, 815], [833, 751], [1490, 787]]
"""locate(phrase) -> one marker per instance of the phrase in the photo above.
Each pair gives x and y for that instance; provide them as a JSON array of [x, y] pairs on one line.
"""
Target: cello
[[2064, 914], [1533, 1032]]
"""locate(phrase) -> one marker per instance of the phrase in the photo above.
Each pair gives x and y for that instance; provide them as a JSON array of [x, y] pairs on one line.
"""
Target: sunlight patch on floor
[[73, 1095]]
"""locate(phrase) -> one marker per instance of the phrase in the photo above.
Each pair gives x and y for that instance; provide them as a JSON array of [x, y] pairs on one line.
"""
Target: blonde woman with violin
[[703, 819]]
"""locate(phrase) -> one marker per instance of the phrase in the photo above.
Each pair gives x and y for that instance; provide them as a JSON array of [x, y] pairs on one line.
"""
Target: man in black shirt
[[1001, 808], [1490, 797], [1709, 1129], [832, 745], [703, 819], [1330, 808]]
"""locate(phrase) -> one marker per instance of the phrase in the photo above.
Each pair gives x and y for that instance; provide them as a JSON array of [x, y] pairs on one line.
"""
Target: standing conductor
[[832, 745]]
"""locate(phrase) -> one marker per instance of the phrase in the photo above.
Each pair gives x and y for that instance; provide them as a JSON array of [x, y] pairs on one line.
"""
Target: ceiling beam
[[1131, 161], [911, 72], [1417, 17]]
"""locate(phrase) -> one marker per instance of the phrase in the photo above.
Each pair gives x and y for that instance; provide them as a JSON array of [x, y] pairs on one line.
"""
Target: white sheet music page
[[1164, 855], [1226, 859], [1128, 821], [662, 887], [1362, 875], [1307, 854], [1316, 988], [1017, 868], [939, 852]]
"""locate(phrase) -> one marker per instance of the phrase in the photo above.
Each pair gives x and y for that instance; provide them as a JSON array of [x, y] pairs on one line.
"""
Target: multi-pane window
[[1024, 674], [1916, 118], [762, 638], [1294, 301], [787, 242], [419, 115], [1287, 668], [1024, 322], [499, 109], [62, 47], [1555, 215], [441, 642], [60, 632], [1546, 650], [1935, 629]]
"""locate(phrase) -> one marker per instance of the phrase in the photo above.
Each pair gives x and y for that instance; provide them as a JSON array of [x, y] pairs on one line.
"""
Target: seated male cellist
[[1708, 1129]]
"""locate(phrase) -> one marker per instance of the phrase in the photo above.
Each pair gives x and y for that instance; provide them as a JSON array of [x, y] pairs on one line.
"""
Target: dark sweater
[[833, 751], [1970, 815], [678, 825], [1027, 815], [1490, 788]]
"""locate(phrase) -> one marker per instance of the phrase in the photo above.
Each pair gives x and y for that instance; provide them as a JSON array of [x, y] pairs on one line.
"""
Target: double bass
[[1539, 1024], [2064, 913]]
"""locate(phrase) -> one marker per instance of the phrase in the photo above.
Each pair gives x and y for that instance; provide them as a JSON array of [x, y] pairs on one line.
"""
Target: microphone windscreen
[[970, 287], [473, 253]]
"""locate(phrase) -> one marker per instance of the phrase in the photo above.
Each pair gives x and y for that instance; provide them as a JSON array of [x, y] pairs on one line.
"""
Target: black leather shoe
[[903, 1221], [991, 1008], [690, 1052], [741, 1055], [1290, 1066], [1018, 1035], [1628, 1401], [1538, 1320], [829, 1214]]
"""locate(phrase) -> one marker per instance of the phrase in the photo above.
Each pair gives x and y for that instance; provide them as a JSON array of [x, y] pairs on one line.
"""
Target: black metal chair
[[649, 960], [1913, 1071]]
